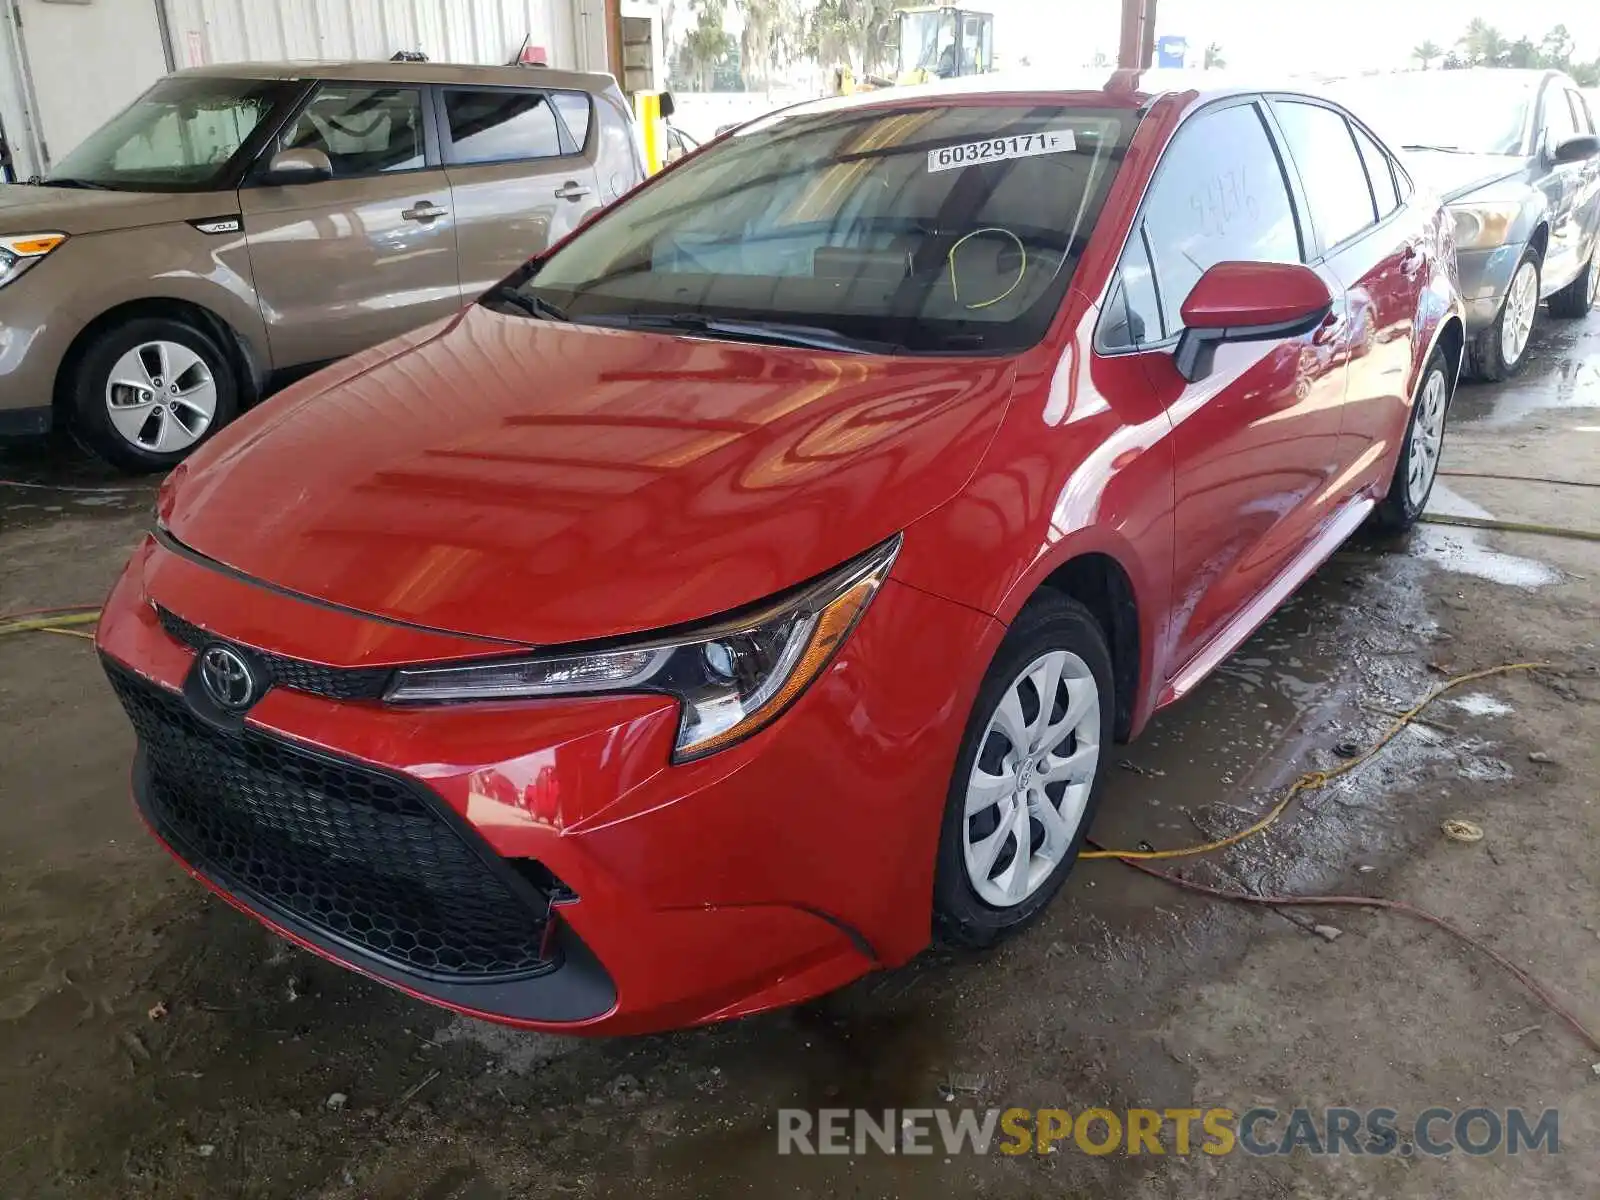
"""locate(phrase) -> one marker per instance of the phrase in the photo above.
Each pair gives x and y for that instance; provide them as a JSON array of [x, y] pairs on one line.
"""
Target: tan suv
[[236, 223]]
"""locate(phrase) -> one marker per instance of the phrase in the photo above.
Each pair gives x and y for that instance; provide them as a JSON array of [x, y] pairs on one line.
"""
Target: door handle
[[571, 190], [425, 211]]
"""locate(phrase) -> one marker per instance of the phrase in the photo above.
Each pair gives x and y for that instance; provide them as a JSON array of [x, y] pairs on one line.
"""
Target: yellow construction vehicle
[[936, 42], [942, 42]]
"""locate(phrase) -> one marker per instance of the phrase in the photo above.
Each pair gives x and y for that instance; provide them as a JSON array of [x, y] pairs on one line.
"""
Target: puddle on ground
[[1467, 552], [42, 480], [1481, 704], [1563, 373]]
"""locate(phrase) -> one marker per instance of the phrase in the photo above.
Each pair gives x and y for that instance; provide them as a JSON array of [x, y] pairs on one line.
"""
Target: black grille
[[334, 683], [361, 856]]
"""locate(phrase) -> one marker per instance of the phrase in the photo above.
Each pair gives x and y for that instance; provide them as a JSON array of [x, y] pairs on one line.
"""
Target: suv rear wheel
[[1578, 297], [148, 391]]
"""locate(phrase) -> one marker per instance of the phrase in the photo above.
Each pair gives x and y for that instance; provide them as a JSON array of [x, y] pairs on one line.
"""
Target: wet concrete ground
[[154, 1043]]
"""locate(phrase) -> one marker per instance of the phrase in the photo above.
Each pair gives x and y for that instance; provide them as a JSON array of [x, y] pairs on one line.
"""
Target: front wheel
[[148, 391], [1418, 465], [1500, 351], [1028, 776]]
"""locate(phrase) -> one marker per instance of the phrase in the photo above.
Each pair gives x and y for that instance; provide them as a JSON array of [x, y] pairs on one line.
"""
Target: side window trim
[[1155, 283], [431, 159], [447, 140], [1580, 111]]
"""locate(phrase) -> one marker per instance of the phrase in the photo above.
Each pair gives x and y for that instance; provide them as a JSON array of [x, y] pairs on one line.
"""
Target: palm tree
[[1214, 59], [1426, 53], [1483, 43]]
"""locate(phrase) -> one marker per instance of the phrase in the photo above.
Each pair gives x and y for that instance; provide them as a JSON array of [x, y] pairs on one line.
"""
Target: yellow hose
[[49, 624]]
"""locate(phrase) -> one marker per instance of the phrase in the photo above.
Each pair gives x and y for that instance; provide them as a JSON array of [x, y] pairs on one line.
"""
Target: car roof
[[408, 72]]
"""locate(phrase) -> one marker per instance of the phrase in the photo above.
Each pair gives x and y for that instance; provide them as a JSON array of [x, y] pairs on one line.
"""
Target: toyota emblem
[[227, 678]]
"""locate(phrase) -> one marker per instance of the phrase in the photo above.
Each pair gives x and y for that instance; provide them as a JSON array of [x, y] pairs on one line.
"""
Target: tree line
[[776, 35], [1482, 45]]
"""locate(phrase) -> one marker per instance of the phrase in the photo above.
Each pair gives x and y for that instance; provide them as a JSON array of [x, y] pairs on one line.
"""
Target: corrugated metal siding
[[462, 31]]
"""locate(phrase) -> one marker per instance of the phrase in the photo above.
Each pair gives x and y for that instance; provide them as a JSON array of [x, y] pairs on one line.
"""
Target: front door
[[1561, 184], [522, 174], [347, 262], [1255, 442]]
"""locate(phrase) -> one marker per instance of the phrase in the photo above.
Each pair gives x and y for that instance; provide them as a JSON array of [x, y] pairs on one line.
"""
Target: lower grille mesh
[[359, 855]]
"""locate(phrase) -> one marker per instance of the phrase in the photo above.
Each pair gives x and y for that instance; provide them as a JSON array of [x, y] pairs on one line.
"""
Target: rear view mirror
[[299, 166], [668, 105], [1247, 302], [1577, 149]]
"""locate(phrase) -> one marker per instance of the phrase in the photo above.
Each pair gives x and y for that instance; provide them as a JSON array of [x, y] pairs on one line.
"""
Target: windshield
[[178, 136], [919, 227], [1474, 112]]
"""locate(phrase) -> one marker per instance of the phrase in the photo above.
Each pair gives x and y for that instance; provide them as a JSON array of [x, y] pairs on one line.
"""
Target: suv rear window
[[932, 227], [574, 110], [500, 126]]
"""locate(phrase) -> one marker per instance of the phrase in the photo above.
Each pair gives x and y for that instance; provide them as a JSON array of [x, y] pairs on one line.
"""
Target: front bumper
[[33, 343], [1485, 279], [760, 876]]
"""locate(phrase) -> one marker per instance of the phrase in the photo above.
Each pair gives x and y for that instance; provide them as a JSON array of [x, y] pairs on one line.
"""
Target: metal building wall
[[464, 31]]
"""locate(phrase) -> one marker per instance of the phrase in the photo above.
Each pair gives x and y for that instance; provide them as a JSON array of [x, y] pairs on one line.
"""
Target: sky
[[1281, 36]]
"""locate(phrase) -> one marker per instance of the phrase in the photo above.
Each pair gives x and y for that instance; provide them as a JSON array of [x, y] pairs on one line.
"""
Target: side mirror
[[668, 105], [1577, 149], [299, 166], [1247, 302]]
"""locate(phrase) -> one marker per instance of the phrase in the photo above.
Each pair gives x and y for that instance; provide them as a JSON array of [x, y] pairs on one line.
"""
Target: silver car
[[1515, 157]]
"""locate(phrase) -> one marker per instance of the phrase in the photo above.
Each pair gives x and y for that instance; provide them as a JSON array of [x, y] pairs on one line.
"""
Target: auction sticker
[[1021, 145]]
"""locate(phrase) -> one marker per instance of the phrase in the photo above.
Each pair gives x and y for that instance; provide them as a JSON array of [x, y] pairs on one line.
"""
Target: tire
[[1419, 452], [1486, 352], [1050, 630], [1577, 298], [146, 392]]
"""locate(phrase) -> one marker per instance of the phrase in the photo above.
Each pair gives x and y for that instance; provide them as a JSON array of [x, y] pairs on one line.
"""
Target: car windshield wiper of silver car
[[1441, 149], [780, 333]]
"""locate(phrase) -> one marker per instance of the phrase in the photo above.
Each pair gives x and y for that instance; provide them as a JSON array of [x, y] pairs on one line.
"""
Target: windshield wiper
[[68, 182], [778, 333], [1441, 149], [526, 303]]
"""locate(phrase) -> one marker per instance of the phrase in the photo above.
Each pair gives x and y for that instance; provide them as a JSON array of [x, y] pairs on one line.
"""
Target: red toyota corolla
[[752, 587]]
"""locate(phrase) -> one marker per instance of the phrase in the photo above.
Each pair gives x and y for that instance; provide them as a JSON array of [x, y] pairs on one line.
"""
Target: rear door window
[[1219, 195], [1330, 168], [500, 125], [1379, 172], [363, 130]]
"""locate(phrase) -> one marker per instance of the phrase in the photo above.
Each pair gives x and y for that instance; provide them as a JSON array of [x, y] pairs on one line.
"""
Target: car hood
[[544, 483], [29, 208], [1455, 175]]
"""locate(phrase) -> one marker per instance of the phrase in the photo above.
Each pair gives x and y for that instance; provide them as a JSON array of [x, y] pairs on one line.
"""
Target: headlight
[[1480, 226], [731, 679], [19, 251]]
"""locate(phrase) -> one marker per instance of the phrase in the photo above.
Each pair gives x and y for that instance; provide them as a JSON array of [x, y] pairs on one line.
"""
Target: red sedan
[[750, 589]]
